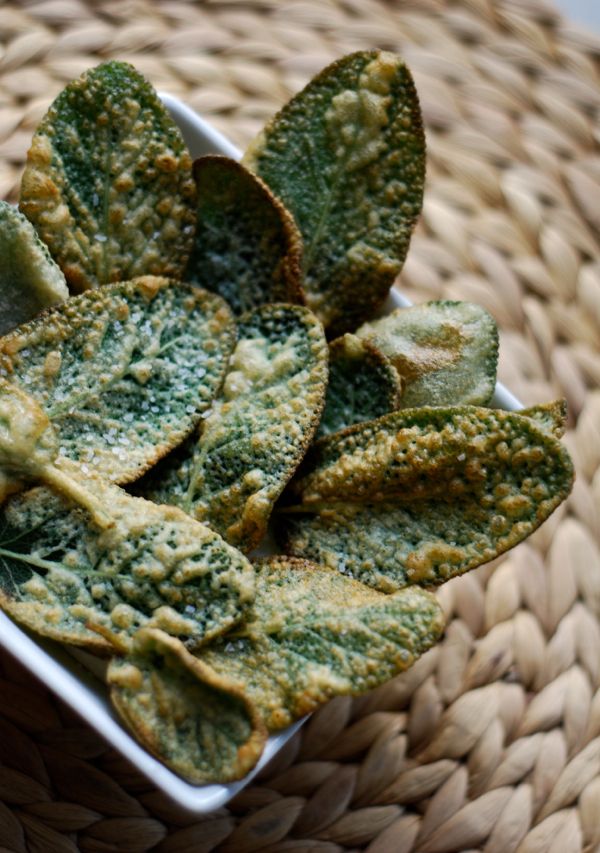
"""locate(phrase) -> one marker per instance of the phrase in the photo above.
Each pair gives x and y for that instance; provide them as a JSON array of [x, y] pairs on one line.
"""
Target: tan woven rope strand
[[492, 741]]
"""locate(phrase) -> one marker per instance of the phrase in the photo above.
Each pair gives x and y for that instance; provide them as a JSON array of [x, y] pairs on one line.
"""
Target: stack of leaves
[[192, 364]]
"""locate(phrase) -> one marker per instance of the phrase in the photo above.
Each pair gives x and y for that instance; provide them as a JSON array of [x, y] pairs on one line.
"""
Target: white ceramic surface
[[76, 676]]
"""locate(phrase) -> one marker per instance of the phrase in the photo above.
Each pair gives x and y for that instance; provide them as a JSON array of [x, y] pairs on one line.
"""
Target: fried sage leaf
[[195, 721], [108, 181], [247, 246], [123, 372], [446, 352], [29, 278], [66, 577], [363, 384], [422, 495], [314, 634], [347, 158], [259, 429], [549, 416]]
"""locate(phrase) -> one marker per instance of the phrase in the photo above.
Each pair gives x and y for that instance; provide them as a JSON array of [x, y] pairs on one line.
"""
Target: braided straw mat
[[492, 741]]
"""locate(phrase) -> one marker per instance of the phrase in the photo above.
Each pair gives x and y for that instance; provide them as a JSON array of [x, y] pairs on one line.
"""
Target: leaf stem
[[30, 559], [68, 486]]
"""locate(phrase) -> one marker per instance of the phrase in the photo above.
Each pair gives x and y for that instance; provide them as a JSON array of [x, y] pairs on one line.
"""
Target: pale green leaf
[[446, 352], [123, 372]]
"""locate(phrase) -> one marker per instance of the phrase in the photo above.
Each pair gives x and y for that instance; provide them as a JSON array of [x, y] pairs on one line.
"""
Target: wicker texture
[[492, 741]]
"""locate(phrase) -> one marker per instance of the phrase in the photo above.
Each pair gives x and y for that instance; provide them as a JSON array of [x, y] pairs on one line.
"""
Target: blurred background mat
[[492, 741]]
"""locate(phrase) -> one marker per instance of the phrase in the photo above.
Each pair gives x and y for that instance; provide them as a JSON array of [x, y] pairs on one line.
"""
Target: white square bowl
[[77, 677]]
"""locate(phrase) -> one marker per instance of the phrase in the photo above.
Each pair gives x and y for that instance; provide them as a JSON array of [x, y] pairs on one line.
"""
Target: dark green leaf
[[108, 182], [195, 721], [247, 246], [347, 158], [29, 278], [363, 384], [123, 372]]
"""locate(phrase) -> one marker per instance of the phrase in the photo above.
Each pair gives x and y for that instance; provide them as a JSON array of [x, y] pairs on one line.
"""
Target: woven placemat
[[492, 741]]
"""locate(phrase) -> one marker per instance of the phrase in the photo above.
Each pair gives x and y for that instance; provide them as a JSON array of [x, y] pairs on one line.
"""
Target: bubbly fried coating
[[197, 722], [124, 372], [549, 416], [422, 495], [108, 181], [363, 384], [314, 634], [28, 444], [446, 352], [67, 576], [29, 278], [247, 247], [259, 428], [347, 158]]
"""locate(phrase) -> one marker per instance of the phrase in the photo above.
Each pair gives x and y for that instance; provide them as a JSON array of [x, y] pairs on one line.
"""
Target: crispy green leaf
[[258, 430], [29, 278], [446, 352], [123, 372], [416, 453], [423, 495], [66, 577], [195, 721], [549, 416], [247, 246], [347, 158], [363, 384], [108, 181], [29, 453], [314, 634]]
